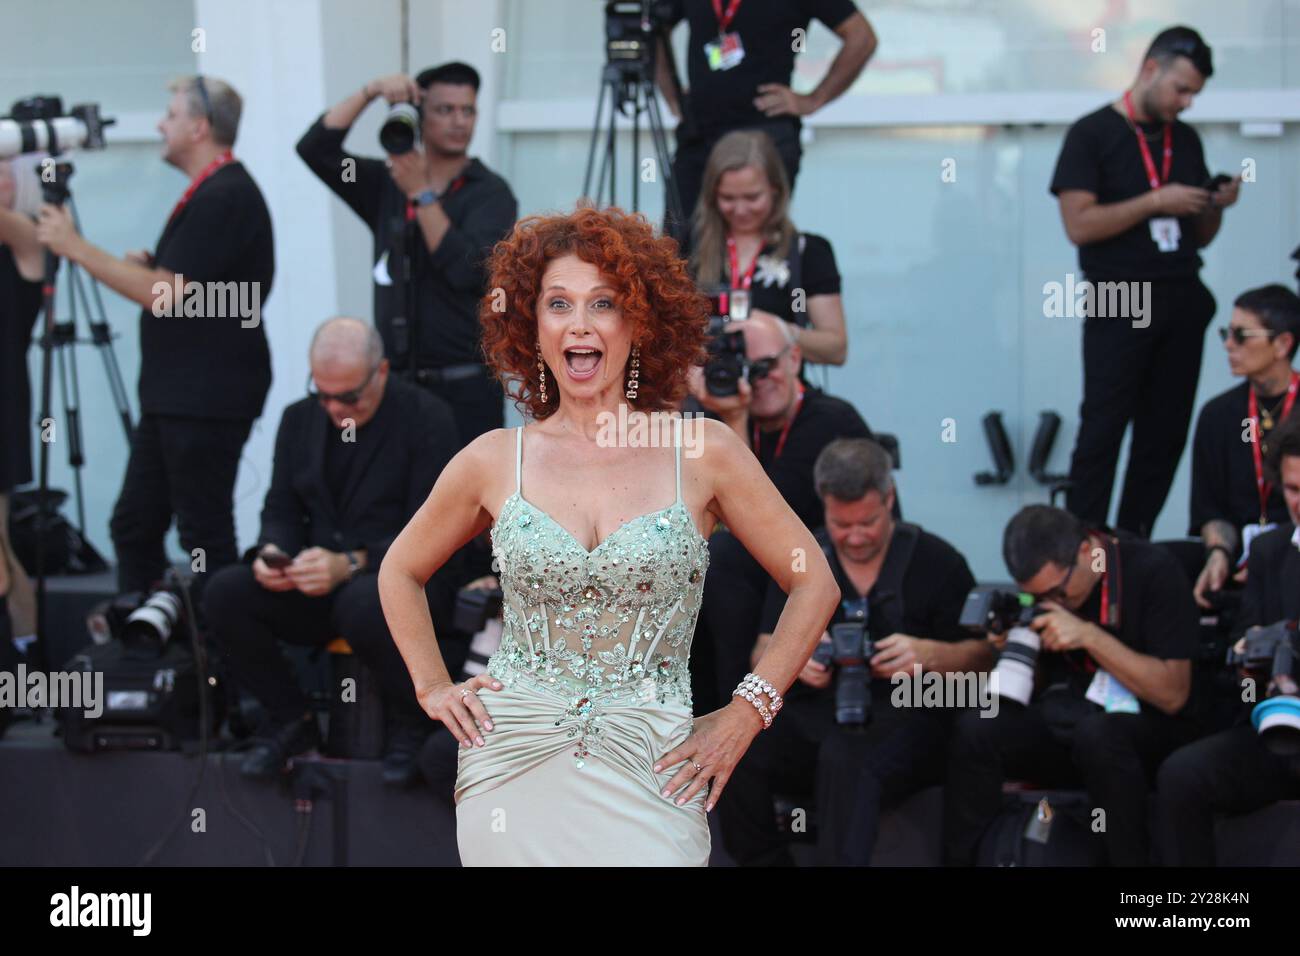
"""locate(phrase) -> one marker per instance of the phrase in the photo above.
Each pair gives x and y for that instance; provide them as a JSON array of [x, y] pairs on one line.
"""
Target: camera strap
[[887, 592], [205, 173]]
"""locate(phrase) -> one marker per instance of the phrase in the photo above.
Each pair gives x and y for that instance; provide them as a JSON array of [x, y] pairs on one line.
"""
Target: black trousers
[[1230, 772], [184, 467], [477, 404], [246, 620], [851, 774], [1146, 376], [1115, 756], [693, 154]]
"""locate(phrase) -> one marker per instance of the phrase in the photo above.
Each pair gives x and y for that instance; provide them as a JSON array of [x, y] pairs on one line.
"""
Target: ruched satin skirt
[[521, 800]]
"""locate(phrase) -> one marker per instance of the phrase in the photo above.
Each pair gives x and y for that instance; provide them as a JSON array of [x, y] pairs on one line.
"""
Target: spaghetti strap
[[677, 443], [519, 458]]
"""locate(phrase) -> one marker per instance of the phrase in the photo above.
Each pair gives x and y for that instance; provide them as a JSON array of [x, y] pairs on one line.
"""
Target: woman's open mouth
[[582, 363]]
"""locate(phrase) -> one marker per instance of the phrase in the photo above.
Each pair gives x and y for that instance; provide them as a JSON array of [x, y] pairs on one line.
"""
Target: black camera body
[[1274, 649], [997, 611], [474, 608], [726, 363]]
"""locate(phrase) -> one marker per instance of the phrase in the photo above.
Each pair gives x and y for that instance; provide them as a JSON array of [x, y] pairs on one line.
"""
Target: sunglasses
[[761, 368], [343, 398], [202, 87], [1240, 335]]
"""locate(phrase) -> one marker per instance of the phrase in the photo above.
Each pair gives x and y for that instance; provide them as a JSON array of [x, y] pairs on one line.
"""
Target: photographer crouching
[[1111, 636], [205, 366], [902, 592], [1254, 763], [354, 460], [431, 201]]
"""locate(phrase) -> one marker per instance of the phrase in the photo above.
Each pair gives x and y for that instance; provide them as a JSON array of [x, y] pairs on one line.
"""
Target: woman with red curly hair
[[585, 751]]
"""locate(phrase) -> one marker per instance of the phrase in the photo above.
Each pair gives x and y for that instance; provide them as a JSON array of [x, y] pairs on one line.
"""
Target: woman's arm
[[451, 515], [826, 341]]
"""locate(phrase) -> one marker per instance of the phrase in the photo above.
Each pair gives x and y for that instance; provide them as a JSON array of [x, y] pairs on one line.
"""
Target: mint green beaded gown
[[594, 659]]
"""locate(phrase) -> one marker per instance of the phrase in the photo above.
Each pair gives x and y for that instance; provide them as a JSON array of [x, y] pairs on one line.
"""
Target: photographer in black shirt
[[1137, 199], [448, 210], [739, 62], [205, 367], [1232, 500], [1233, 771], [787, 424], [1117, 627], [909, 586]]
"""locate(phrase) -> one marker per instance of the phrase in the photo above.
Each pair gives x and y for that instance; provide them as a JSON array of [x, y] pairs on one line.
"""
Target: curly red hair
[[656, 293]]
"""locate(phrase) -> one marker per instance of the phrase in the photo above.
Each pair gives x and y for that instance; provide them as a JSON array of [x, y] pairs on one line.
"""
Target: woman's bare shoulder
[[485, 466]]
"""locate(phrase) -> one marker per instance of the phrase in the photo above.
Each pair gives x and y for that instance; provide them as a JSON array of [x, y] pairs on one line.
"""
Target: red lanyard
[[212, 167], [455, 184], [1265, 488], [1147, 161], [724, 20], [733, 258], [785, 432]]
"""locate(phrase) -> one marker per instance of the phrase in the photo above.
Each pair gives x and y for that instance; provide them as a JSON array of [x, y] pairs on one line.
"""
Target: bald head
[[348, 340], [765, 334]]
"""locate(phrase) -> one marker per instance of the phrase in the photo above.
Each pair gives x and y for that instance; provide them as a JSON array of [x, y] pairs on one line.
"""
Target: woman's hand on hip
[[458, 707], [711, 752]]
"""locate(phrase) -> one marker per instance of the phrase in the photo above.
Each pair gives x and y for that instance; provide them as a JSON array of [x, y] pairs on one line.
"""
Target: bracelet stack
[[750, 688]]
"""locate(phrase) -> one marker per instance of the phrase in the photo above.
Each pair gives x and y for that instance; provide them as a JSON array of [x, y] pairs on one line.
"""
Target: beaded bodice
[[611, 624]]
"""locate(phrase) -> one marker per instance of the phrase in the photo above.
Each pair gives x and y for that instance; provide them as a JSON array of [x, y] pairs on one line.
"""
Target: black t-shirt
[[776, 278], [451, 280], [821, 419], [724, 99], [1158, 617], [1101, 155], [20, 305], [933, 592], [217, 364], [1223, 465]]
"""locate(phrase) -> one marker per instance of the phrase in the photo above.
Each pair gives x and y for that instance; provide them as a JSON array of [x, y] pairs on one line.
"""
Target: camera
[[993, 610], [726, 362], [850, 650], [474, 608], [1273, 650], [39, 124], [401, 128], [151, 626]]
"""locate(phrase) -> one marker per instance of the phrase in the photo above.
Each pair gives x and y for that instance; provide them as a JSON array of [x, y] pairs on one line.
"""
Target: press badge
[[724, 53], [381, 270], [1165, 233], [1111, 694], [1248, 534]]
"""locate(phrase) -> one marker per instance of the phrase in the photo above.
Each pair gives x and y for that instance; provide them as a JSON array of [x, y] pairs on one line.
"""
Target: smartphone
[[1214, 182], [276, 559]]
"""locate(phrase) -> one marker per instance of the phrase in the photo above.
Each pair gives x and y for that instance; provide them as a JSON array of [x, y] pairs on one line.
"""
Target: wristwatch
[[353, 564], [426, 198]]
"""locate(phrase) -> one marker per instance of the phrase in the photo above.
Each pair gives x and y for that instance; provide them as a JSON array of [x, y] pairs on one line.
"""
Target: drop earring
[[541, 367], [635, 373]]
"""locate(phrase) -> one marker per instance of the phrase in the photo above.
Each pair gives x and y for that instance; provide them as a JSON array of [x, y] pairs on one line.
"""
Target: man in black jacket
[[205, 367], [908, 587], [448, 210], [1232, 771], [353, 462]]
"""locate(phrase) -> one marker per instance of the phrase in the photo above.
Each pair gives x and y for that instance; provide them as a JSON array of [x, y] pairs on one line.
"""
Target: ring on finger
[[698, 768]]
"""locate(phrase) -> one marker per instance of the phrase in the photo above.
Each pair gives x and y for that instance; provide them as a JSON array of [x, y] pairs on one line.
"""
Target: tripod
[[628, 86], [59, 338]]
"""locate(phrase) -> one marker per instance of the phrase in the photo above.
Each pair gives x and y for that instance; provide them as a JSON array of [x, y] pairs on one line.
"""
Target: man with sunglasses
[[1232, 500], [354, 460], [787, 423], [443, 208], [1137, 199], [1113, 697], [203, 377]]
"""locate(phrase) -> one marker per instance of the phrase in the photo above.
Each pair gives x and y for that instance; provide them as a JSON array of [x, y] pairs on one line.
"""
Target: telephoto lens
[[401, 129], [152, 624], [1013, 677]]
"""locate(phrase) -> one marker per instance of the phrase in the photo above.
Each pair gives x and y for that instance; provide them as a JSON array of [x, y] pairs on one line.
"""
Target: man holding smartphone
[[354, 460], [1138, 201]]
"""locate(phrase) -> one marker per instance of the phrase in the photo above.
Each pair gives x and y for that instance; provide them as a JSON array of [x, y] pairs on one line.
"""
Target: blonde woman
[[742, 237]]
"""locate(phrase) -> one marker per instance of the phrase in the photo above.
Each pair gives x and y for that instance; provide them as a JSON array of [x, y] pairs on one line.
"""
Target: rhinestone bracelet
[[750, 688]]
